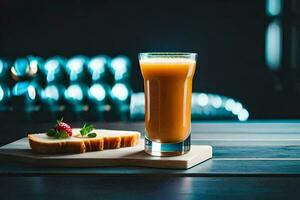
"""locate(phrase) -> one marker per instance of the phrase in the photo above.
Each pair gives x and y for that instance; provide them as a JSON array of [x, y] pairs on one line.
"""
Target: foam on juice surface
[[168, 60]]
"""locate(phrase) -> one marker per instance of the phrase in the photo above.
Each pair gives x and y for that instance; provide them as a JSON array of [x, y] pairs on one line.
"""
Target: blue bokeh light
[[4, 93], [1, 93], [97, 92], [3, 67], [31, 92], [120, 91], [34, 64], [25, 66], [120, 66], [20, 67], [96, 67], [52, 68], [20, 88], [237, 107], [74, 92], [2, 64], [202, 99], [229, 104], [274, 7], [243, 115], [274, 45], [75, 66], [216, 101], [51, 65], [51, 92]]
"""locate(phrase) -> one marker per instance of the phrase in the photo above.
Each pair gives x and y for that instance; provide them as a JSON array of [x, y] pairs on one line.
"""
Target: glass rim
[[189, 55]]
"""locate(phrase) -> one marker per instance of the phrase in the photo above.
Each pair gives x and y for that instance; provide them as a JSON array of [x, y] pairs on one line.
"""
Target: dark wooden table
[[256, 160]]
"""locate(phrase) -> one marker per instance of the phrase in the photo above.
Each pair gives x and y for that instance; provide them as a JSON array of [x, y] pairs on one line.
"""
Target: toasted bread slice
[[43, 144], [105, 139]]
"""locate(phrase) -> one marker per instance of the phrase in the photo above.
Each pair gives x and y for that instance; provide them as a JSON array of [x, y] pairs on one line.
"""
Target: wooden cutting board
[[131, 156]]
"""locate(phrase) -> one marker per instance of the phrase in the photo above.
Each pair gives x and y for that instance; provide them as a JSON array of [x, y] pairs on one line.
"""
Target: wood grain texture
[[130, 156], [149, 188]]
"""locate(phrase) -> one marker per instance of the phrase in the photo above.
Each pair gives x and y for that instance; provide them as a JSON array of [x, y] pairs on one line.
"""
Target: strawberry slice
[[62, 126]]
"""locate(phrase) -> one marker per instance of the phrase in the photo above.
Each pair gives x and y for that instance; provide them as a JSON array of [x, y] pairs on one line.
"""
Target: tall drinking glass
[[168, 81]]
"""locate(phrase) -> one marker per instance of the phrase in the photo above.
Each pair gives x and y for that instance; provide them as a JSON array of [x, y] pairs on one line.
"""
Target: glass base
[[167, 149]]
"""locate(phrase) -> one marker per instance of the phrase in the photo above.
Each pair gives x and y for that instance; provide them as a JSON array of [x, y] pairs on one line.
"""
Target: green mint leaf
[[86, 129], [51, 133], [62, 135], [57, 134], [92, 135]]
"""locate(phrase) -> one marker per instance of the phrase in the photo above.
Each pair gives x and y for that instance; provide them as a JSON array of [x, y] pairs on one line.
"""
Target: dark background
[[228, 35]]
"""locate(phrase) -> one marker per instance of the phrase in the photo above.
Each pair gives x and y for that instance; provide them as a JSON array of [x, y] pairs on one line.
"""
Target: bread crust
[[113, 142], [56, 147], [94, 144]]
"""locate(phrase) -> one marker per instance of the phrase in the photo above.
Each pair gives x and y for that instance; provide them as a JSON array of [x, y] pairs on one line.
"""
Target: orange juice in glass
[[168, 81]]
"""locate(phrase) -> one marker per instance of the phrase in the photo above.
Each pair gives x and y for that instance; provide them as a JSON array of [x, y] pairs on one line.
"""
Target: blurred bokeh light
[[95, 86], [97, 92], [120, 67], [52, 68], [97, 67], [75, 67], [120, 92]]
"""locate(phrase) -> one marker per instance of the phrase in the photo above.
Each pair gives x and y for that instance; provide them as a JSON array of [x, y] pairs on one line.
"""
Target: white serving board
[[130, 156]]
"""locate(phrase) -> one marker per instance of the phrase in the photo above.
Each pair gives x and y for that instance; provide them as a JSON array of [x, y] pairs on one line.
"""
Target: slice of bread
[[105, 139]]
